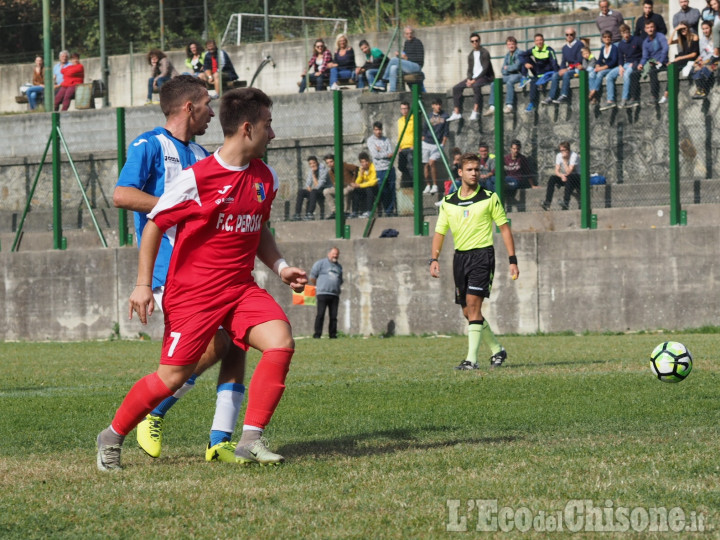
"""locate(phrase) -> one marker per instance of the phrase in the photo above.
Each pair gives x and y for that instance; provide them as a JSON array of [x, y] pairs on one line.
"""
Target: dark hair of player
[[467, 157], [179, 90], [241, 105]]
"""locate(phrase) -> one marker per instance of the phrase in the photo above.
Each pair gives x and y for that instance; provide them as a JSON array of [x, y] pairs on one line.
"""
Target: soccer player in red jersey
[[220, 206]]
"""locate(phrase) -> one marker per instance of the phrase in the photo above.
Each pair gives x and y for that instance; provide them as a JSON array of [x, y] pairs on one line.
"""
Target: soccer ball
[[671, 362]]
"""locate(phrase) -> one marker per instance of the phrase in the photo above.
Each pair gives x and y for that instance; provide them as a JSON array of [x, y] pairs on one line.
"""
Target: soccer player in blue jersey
[[155, 158], [469, 214]]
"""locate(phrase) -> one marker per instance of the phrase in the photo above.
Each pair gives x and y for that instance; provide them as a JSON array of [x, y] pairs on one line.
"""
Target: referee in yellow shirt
[[469, 213]]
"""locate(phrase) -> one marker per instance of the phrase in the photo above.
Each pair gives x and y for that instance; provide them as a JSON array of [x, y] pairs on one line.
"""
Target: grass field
[[383, 439]]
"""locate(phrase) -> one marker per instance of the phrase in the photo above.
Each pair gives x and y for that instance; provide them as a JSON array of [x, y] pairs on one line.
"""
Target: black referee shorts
[[473, 272]]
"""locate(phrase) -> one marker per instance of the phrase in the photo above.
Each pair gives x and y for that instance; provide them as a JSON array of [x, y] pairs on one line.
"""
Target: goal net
[[251, 28]]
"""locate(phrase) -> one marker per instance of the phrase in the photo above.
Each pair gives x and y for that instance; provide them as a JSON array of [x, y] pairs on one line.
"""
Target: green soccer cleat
[[257, 452], [149, 435], [108, 457], [224, 451]]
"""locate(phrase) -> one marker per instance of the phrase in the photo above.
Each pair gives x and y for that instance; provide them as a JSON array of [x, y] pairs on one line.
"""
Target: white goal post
[[250, 27]]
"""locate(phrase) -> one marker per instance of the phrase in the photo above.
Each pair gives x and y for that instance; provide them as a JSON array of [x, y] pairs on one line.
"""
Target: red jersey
[[219, 211]]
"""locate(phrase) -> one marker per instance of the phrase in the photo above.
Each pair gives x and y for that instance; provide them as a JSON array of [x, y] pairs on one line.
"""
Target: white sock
[[227, 407]]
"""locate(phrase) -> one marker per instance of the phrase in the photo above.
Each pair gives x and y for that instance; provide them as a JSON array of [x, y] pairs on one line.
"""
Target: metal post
[[499, 140], [123, 233], [417, 160], [103, 55], [58, 240], [48, 97], [205, 20], [672, 82], [162, 25], [132, 67], [377, 15], [339, 168], [62, 25], [584, 135], [267, 21]]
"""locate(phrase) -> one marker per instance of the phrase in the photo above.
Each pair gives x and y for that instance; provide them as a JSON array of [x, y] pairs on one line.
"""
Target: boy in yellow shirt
[[364, 188]]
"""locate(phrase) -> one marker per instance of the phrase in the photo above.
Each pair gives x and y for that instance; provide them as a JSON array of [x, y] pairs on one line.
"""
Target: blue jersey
[[154, 159]]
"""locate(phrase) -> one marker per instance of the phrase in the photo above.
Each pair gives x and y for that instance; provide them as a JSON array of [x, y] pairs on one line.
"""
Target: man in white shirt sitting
[[479, 73]]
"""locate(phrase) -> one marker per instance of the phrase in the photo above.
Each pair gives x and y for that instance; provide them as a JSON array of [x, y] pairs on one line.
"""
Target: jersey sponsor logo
[[244, 223], [225, 200], [140, 141], [173, 159], [260, 191]]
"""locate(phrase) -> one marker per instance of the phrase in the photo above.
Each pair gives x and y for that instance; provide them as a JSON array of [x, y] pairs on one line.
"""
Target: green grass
[[378, 435]]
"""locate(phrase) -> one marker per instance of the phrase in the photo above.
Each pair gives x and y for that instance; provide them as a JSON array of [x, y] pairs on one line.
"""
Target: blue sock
[[167, 404]]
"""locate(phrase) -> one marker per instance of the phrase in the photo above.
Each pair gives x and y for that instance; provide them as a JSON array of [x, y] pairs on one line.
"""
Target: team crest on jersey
[[260, 191], [466, 213]]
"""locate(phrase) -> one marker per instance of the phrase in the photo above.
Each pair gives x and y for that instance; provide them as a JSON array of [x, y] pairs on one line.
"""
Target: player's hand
[[142, 303], [435, 269], [295, 277], [514, 271]]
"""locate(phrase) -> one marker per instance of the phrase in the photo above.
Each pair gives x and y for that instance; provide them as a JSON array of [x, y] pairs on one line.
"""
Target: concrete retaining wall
[[602, 280]]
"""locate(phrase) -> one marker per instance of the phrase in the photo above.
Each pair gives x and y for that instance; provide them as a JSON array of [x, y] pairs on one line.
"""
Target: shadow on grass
[[556, 363], [382, 442]]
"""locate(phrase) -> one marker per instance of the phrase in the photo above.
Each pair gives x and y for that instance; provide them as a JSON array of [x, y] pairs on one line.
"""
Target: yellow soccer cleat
[[149, 435], [224, 451]]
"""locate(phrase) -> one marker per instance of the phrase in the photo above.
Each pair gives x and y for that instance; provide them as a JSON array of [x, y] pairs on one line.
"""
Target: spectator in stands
[[73, 74], [215, 60], [518, 173], [430, 151], [567, 165], [63, 61], [161, 71], [571, 63], [609, 19], [607, 61], [411, 59], [541, 66], [715, 7], [350, 171], [654, 59], [708, 13], [316, 181], [195, 60], [479, 73], [486, 178], [365, 74], [405, 154], [343, 62], [704, 68], [510, 74], [381, 152], [318, 66], [589, 61], [629, 56], [364, 187], [688, 48], [688, 15], [36, 92], [649, 16]]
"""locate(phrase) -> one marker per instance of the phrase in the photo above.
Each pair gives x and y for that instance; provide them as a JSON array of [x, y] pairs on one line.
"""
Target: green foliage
[[378, 435]]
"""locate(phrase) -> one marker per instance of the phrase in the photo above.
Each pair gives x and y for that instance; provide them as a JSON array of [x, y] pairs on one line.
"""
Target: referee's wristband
[[513, 259], [279, 266]]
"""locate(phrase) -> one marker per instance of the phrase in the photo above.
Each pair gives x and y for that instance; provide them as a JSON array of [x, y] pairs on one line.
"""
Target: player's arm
[[141, 299], [437, 244], [131, 198], [270, 256], [510, 247]]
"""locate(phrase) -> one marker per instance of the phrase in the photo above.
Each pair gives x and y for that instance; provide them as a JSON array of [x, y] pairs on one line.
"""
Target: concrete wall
[[603, 280]]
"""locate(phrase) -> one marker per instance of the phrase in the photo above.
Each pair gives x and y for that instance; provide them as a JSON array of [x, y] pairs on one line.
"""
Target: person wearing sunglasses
[[317, 67], [479, 73]]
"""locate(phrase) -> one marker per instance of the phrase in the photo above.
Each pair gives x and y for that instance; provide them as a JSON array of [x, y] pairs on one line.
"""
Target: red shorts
[[187, 333]]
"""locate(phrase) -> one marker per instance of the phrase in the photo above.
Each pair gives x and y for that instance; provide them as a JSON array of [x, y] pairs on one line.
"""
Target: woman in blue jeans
[[343, 64], [35, 93], [161, 71]]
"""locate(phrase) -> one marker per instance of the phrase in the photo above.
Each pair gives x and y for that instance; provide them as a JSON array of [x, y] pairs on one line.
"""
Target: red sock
[[142, 398], [267, 386]]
